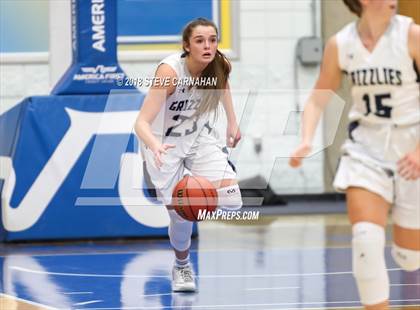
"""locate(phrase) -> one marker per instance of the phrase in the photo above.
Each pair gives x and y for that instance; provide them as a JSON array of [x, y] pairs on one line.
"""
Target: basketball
[[192, 194]]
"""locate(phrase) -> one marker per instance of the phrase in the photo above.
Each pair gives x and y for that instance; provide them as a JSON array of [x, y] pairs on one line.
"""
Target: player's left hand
[[233, 135], [296, 158], [409, 166]]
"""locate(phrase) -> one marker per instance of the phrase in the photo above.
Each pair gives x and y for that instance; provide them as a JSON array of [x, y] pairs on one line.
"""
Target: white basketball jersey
[[175, 123], [384, 82], [175, 117]]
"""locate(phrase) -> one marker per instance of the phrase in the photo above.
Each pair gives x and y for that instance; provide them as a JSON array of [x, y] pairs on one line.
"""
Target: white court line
[[272, 288], [27, 301], [87, 302], [253, 289], [163, 294], [246, 305], [77, 293], [340, 307], [191, 250], [197, 276], [297, 287]]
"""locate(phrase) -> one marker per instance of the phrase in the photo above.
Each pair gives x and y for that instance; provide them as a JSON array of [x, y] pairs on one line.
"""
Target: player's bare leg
[[407, 238], [224, 183], [406, 248]]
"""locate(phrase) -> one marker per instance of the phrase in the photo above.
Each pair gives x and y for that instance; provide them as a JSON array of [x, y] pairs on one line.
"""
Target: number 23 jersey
[[176, 119], [385, 82]]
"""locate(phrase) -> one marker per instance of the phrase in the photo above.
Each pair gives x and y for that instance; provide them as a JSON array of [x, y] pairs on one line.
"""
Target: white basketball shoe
[[183, 279]]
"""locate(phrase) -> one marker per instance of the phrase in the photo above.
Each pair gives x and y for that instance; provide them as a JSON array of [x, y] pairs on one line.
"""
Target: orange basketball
[[194, 196]]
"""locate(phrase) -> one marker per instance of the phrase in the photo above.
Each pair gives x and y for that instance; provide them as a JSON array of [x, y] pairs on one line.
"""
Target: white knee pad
[[369, 267], [409, 260], [179, 231], [229, 198]]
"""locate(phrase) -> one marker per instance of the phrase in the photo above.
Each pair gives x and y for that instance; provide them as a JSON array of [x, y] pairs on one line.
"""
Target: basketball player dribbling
[[175, 125], [380, 163]]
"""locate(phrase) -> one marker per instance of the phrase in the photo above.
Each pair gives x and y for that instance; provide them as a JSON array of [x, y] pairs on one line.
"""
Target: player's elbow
[[319, 99], [328, 82]]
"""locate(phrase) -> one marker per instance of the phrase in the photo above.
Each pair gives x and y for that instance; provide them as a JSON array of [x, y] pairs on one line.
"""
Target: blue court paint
[[137, 276]]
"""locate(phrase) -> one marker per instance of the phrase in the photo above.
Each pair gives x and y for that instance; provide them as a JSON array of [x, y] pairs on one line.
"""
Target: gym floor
[[277, 262]]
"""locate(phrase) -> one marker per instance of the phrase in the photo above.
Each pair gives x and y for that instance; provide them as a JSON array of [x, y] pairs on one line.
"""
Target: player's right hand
[[159, 151], [297, 156], [409, 165]]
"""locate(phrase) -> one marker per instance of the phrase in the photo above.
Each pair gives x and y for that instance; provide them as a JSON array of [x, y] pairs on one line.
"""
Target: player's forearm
[[417, 150], [310, 119], [228, 107], [144, 133], [230, 113]]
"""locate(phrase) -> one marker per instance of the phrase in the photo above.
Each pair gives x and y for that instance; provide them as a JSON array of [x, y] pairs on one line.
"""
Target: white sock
[[182, 262]]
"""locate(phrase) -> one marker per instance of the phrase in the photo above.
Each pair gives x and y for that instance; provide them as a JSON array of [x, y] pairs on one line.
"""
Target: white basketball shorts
[[369, 161], [205, 158]]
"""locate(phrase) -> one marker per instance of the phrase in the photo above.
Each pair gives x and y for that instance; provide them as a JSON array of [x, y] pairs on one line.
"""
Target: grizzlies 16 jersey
[[385, 81]]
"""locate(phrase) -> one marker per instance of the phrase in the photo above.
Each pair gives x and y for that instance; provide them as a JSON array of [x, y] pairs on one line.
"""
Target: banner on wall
[[74, 170], [95, 68]]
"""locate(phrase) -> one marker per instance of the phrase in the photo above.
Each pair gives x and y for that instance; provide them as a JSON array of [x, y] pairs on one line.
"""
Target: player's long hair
[[219, 69], [354, 6]]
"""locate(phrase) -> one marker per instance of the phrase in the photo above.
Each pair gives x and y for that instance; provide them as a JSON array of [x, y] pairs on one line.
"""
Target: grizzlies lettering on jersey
[[185, 105], [376, 76], [384, 82]]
